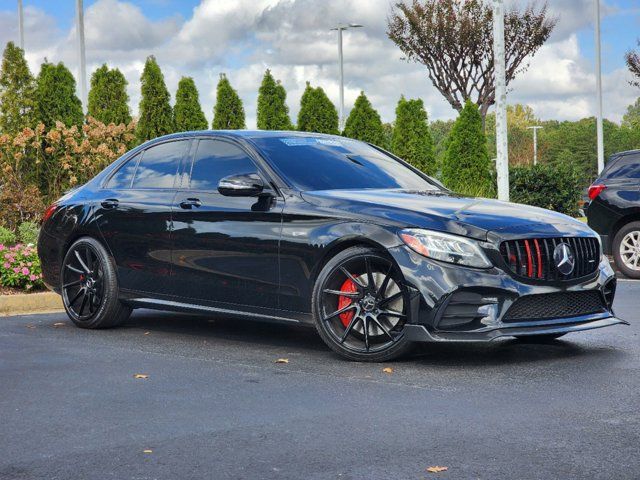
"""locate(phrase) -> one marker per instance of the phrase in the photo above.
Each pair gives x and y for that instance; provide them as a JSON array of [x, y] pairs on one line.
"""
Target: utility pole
[[21, 24], [340, 27], [82, 69], [502, 145], [535, 129], [600, 131]]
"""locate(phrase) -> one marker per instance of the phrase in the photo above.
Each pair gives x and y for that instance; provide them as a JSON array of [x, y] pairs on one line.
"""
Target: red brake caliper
[[347, 286]]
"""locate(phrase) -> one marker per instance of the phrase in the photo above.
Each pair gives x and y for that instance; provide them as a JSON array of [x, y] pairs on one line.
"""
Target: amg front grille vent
[[533, 258], [548, 306]]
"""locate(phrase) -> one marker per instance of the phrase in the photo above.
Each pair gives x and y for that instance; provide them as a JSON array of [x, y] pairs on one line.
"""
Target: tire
[[360, 319], [546, 338], [89, 286], [626, 249]]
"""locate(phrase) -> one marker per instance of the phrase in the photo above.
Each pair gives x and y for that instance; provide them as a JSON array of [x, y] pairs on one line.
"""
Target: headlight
[[445, 247]]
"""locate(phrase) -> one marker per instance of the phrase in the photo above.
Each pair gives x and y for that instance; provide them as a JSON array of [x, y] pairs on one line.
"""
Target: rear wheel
[[90, 288], [360, 306], [626, 249]]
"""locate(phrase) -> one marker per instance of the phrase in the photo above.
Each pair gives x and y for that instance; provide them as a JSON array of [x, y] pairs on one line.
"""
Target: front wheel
[[360, 306], [626, 249], [90, 287]]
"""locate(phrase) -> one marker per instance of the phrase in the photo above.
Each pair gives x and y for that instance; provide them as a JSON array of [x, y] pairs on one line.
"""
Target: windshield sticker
[[305, 141]]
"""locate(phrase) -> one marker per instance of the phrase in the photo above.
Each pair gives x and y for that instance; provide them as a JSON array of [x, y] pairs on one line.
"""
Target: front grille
[[548, 306], [533, 258]]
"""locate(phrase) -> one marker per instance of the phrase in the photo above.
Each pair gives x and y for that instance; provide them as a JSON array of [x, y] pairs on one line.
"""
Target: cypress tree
[[411, 139], [466, 167], [272, 112], [228, 113], [56, 98], [156, 115], [17, 91], [187, 113], [317, 113], [108, 96], [364, 123]]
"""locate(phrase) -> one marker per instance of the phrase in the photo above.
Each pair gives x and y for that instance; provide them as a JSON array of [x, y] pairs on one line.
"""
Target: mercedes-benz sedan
[[322, 230]]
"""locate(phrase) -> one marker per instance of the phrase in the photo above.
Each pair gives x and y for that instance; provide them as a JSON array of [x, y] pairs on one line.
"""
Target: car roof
[[626, 152], [247, 134]]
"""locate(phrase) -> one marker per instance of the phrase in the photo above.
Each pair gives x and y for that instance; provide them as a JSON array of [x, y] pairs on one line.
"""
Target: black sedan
[[322, 230]]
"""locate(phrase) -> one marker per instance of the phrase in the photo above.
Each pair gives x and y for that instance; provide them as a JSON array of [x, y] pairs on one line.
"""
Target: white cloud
[[292, 37]]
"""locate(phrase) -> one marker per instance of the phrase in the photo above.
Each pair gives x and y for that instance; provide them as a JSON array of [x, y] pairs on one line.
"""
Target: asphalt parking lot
[[215, 404]]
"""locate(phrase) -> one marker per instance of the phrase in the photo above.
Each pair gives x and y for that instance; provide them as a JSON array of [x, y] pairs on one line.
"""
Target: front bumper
[[453, 303]]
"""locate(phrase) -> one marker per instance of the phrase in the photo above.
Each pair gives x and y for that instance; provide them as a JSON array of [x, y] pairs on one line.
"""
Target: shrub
[[20, 267], [228, 112], [364, 123], [7, 237], [53, 161], [317, 113], [155, 115], [28, 232], [466, 162], [411, 138], [272, 112], [556, 187]]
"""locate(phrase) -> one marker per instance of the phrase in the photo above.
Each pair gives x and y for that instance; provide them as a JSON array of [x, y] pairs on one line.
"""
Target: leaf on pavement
[[282, 360], [59, 324], [387, 370], [141, 375], [437, 469], [31, 326]]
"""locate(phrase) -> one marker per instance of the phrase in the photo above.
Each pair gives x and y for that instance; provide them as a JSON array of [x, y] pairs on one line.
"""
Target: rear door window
[[159, 165]]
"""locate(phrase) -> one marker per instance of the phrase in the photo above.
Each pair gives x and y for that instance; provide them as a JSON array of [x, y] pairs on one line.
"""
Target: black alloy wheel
[[89, 286], [361, 306]]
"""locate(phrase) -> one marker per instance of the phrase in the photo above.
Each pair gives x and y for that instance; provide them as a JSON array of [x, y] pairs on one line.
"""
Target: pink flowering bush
[[20, 267]]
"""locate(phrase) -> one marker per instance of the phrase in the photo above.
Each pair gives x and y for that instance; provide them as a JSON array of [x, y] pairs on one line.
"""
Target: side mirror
[[242, 185]]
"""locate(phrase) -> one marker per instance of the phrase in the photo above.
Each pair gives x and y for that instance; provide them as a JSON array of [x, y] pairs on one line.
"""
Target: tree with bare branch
[[454, 40], [633, 62]]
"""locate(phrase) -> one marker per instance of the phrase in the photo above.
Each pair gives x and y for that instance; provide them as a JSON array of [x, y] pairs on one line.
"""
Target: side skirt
[[180, 306]]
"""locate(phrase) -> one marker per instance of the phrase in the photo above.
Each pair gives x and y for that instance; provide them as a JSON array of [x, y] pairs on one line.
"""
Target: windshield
[[327, 163]]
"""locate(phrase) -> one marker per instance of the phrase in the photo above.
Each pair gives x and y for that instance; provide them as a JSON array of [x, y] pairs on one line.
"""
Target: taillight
[[595, 190], [48, 212]]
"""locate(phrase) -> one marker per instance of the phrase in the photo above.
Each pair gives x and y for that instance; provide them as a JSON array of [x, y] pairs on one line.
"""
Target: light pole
[[535, 129], [502, 146], [340, 27], [21, 24], [82, 69], [599, 129]]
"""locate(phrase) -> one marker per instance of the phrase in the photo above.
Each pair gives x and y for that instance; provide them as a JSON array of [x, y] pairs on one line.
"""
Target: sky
[[242, 38]]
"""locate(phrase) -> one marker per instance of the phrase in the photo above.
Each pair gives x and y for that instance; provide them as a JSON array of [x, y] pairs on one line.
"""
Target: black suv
[[614, 210]]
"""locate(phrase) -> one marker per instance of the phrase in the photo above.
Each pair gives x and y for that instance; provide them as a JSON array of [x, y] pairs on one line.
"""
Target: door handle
[[190, 203], [110, 203]]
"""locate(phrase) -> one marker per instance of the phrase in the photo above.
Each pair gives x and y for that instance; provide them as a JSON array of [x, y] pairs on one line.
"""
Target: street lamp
[[21, 24], [82, 69], [535, 129], [502, 144], [600, 133], [339, 28]]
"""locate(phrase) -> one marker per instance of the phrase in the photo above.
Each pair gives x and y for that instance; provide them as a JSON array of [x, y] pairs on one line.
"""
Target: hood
[[472, 217]]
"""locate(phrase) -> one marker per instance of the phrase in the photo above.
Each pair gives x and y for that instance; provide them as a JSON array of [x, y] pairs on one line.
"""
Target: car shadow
[[510, 351], [225, 328], [301, 338]]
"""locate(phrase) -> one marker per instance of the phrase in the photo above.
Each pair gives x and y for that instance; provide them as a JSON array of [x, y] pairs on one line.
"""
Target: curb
[[28, 303]]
